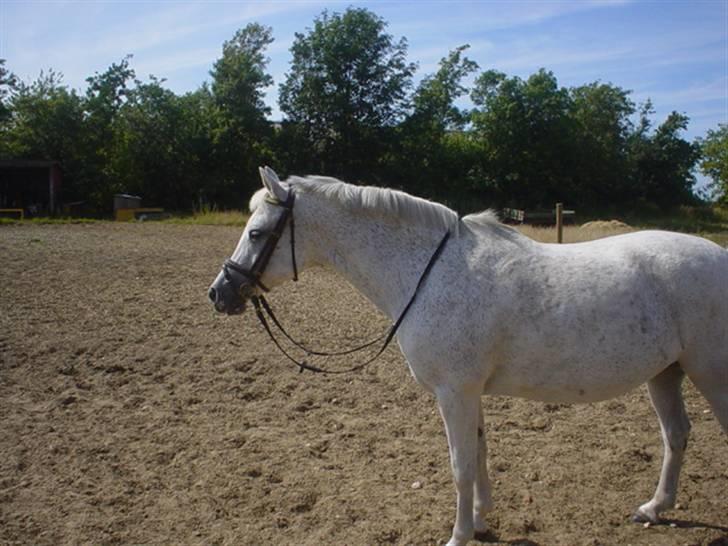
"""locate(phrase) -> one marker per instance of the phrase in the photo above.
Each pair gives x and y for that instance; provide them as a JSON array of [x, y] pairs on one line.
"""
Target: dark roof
[[25, 164]]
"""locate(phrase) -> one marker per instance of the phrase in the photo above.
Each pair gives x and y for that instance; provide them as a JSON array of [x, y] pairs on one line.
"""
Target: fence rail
[[558, 217]]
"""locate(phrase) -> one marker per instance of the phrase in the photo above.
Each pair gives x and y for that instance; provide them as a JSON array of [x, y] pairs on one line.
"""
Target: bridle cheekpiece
[[247, 279]]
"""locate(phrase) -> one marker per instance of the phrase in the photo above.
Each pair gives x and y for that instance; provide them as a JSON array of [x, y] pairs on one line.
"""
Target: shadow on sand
[[490, 536], [689, 524]]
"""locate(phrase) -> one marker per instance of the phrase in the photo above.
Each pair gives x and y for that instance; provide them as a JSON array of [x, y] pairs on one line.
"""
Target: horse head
[[257, 262]]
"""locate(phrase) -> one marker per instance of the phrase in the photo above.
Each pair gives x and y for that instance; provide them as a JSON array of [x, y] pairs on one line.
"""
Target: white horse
[[502, 314]]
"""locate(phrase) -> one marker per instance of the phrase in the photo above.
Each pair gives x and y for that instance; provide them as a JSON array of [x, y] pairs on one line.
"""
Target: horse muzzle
[[230, 298]]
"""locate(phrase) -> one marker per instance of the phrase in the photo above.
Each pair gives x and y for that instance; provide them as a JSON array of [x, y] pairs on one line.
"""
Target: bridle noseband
[[251, 277]]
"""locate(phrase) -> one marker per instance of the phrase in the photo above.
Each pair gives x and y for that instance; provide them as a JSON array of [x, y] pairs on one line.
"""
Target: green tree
[[525, 129], [200, 122], [663, 163], [106, 93], [242, 134], [434, 100], [8, 83], [47, 122], [714, 162], [160, 146], [432, 138], [239, 77], [602, 130], [345, 91], [40, 114]]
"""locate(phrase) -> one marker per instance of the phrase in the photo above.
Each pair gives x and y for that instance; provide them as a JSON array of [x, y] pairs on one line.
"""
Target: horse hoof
[[454, 541], [641, 517], [486, 536]]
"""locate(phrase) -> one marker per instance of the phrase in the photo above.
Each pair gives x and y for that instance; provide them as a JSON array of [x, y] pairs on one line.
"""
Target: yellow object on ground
[[124, 215]]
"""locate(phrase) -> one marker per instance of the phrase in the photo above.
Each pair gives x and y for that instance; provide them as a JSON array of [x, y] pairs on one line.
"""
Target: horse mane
[[389, 204]]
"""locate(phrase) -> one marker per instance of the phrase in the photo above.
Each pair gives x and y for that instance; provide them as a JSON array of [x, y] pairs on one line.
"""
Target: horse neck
[[379, 258]]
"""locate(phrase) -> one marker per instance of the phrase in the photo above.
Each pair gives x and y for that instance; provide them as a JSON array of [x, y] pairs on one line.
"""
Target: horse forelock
[[257, 199]]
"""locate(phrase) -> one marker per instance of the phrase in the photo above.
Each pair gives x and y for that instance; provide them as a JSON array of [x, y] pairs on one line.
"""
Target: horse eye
[[254, 234]]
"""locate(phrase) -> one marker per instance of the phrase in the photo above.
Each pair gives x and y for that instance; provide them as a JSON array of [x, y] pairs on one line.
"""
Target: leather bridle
[[245, 280], [251, 277]]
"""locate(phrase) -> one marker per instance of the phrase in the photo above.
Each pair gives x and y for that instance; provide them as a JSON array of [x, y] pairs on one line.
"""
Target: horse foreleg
[[459, 412], [666, 396], [483, 498]]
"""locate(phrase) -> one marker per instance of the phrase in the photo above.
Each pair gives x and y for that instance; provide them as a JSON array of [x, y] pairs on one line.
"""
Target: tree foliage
[[350, 111], [714, 163], [433, 136], [525, 128], [106, 94], [241, 133], [7, 84], [156, 139], [664, 164], [435, 97], [47, 122], [544, 143], [601, 116], [346, 90]]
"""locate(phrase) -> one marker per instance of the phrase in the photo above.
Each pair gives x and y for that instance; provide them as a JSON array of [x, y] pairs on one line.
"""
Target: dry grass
[[212, 217], [716, 230], [48, 220], [578, 234], [573, 234]]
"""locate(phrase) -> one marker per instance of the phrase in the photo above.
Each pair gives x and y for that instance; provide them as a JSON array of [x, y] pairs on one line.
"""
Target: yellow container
[[19, 212], [125, 215]]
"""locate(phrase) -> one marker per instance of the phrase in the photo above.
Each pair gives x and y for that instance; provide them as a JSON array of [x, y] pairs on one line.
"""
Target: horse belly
[[568, 382], [590, 356]]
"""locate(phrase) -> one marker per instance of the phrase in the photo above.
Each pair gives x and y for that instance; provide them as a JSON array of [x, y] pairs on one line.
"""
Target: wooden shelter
[[30, 186]]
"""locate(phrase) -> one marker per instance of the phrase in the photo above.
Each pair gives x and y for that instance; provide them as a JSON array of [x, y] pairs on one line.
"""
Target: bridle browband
[[262, 307]]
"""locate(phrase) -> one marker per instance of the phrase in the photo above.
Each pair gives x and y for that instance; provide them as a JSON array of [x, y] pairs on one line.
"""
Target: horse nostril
[[212, 294]]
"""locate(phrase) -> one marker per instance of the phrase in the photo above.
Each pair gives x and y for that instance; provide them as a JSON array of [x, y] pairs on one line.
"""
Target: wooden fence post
[[560, 222]]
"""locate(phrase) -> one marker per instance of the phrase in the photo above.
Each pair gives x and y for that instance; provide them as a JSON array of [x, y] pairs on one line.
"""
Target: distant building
[[33, 186]]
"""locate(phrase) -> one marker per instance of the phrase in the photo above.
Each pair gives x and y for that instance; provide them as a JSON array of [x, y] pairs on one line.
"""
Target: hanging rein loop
[[262, 307], [248, 279]]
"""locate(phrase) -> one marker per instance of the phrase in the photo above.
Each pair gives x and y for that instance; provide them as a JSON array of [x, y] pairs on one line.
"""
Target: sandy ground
[[131, 413]]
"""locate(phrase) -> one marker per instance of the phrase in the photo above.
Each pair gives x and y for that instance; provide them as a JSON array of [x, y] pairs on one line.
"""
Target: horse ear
[[272, 183]]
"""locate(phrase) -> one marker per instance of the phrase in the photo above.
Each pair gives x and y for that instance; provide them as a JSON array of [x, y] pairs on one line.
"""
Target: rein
[[262, 307], [247, 279]]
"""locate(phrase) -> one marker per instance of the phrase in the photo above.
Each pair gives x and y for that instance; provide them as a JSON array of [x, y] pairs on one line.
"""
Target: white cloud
[[530, 59], [464, 17], [86, 37], [714, 90], [168, 64]]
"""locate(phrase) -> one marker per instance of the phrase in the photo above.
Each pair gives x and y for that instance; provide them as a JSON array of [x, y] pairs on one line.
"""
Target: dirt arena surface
[[131, 413]]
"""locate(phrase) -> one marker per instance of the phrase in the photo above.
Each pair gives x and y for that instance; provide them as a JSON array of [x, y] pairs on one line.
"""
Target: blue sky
[[674, 52]]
